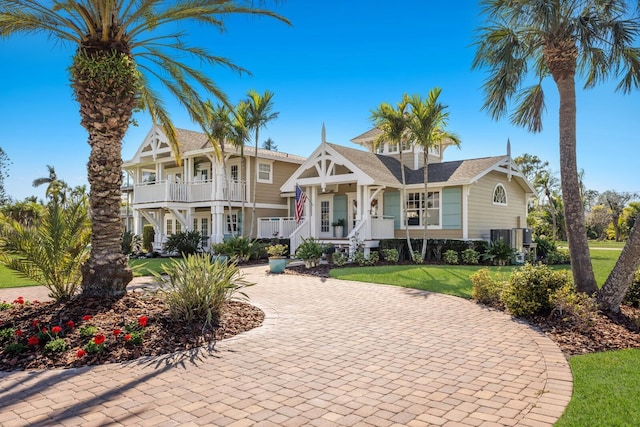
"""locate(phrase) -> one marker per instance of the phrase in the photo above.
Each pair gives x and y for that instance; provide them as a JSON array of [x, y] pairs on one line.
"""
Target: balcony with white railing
[[199, 191]]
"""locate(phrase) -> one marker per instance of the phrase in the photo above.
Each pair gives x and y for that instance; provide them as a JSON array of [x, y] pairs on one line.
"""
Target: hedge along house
[[466, 199], [201, 194]]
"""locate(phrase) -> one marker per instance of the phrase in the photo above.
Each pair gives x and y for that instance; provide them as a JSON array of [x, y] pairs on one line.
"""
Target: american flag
[[301, 198]]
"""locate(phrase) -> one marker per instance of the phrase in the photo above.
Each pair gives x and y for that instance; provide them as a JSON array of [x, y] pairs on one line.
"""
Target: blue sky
[[339, 61]]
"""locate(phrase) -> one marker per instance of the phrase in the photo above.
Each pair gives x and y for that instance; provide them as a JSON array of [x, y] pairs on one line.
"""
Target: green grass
[[146, 266], [444, 279], [11, 279], [609, 244], [606, 387]]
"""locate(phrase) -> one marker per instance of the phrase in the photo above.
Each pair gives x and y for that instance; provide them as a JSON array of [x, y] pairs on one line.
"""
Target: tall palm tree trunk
[[616, 285], [581, 267], [426, 203], [243, 166], [404, 204], [104, 83], [254, 185]]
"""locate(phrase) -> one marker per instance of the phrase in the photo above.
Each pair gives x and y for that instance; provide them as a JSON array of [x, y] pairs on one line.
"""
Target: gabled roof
[[192, 142], [386, 170]]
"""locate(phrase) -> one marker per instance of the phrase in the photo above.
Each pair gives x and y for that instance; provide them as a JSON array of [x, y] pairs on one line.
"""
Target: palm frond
[[530, 108]]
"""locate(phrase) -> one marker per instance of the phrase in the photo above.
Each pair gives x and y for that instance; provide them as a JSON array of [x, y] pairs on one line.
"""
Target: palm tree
[[547, 183], [427, 128], [394, 124], [258, 113], [56, 188], [220, 131], [557, 38], [239, 137], [269, 144], [120, 46]]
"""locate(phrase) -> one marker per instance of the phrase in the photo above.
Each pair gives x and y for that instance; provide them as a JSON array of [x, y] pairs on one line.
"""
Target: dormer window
[[500, 195]]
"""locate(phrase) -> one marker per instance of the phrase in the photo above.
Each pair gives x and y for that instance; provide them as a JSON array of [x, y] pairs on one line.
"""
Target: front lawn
[[444, 279], [606, 387], [146, 266], [11, 279]]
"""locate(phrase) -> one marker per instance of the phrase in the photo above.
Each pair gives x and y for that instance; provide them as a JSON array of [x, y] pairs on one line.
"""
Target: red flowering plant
[[96, 345], [135, 331]]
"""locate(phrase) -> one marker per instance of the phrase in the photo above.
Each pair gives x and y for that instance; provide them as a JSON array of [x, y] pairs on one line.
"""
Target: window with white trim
[[406, 146], [380, 149], [178, 227], [416, 209], [393, 147], [231, 223], [169, 228], [265, 172], [500, 195]]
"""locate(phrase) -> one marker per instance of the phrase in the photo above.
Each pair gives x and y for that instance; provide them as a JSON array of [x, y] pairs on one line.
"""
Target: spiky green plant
[[197, 288], [52, 251]]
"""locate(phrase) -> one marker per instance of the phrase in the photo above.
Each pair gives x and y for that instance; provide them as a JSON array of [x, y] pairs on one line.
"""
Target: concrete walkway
[[330, 353]]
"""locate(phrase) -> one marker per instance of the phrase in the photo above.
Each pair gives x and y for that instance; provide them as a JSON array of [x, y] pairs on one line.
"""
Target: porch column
[[359, 202], [465, 211], [219, 182], [310, 208], [190, 213], [160, 232], [217, 223], [137, 223]]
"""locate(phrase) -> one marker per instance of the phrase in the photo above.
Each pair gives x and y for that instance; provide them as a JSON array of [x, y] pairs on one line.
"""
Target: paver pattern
[[330, 353]]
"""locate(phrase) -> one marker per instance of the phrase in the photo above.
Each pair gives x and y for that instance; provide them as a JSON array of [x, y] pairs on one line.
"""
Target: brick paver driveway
[[330, 353]]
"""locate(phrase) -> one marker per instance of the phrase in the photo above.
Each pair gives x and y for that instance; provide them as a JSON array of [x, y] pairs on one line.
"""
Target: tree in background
[[258, 112], [616, 202], [56, 188], [548, 184], [427, 129], [270, 145], [530, 165], [120, 47], [27, 212], [4, 173], [530, 40]]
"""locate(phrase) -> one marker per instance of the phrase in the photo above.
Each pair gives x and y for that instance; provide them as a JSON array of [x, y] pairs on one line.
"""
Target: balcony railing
[[200, 191], [271, 227]]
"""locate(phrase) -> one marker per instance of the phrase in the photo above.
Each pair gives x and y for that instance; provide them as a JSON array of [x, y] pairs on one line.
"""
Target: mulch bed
[[612, 331], [161, 335]]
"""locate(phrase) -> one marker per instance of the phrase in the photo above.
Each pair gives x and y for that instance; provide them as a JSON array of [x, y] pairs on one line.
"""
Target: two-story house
[[466, 198]]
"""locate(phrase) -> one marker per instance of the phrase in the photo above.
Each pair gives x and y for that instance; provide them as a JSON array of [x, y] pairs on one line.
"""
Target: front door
[[325, 216]]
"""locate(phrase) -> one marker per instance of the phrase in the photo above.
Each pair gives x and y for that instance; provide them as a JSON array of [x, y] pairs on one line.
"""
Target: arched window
[[499, 195]]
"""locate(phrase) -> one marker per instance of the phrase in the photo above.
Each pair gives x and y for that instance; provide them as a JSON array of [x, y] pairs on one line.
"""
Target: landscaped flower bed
[[37, 335]]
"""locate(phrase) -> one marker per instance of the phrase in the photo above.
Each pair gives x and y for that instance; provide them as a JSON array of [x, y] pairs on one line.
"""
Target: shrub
[[544, 246], [451, 257], [363, 260], [196, 288], [470, 256], [417, 258], [529, 289], [239, 249], [632, 296], [390, 255], [131, 243], [573, 306], [559, 256], [277, 250], [310, 250], [340, 259], [486, 290], [499, 253], [185, 243], [148, 235]]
